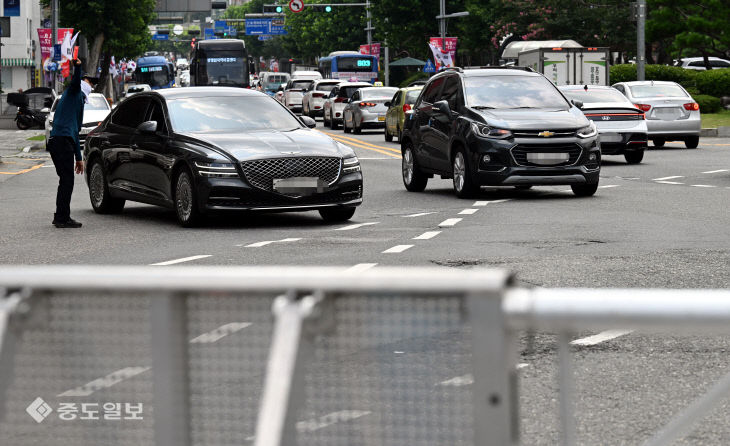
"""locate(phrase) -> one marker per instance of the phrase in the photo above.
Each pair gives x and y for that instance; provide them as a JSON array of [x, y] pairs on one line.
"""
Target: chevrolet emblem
[[546, 134]]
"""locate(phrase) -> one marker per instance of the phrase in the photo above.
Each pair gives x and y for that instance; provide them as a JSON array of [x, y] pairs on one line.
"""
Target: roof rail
[[501, 67], [459, 69]]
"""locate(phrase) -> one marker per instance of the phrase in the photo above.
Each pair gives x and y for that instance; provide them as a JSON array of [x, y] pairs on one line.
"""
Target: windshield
[[302, 85], [229, 113], [346, 92], [326, 86], [158, 76], [657, 90], [223, 67], [411, 96], [355, 64], [378, 93], [602, 95], [96, 103], [272, 82], [512, 92]]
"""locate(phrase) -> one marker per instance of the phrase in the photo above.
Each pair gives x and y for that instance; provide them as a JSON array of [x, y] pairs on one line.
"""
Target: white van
[[309, 75]]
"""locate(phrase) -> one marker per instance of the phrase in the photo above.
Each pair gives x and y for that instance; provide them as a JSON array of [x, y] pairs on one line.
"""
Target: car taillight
[[643, 107], [692, 106], [368, 104], [340, 100], [317, 95], [406, 107]]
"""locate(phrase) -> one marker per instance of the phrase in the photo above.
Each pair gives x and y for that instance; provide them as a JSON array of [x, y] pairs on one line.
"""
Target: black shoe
[[70, 223]]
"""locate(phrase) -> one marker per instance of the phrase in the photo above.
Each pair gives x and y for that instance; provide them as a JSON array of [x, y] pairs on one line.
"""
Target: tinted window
[[719, 63], [378, 93], [513, 92], [432, 91], [396, 98], [602, 95], [154, 76], [131, 112], [300, 84], [346, 92], [328, 86], [697, 63], [657, 90], [229, 113], [156, 114], [452, 92], [411, 96]]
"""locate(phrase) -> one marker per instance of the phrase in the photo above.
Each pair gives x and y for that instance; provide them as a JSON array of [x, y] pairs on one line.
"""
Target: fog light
[[592, 157], [486, 158]]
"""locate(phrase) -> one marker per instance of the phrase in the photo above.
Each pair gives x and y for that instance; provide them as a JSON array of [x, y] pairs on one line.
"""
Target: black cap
[[92, 79]]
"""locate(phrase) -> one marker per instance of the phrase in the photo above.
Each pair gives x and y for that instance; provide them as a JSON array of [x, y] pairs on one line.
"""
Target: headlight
[[350, 165], [216, 169], [588, 132], [490, 132]]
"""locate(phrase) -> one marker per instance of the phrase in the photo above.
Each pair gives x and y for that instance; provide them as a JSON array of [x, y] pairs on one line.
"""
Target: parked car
[[95, 111], [336, 101], [366, 109], [293, 92], [621, 126], [175, 148], [498, 126], [314, 97], [671, 113], [698, 63], [395, 116]]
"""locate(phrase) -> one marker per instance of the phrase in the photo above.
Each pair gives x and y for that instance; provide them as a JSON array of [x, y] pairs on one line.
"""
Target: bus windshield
[[155, 76], [223, 67]]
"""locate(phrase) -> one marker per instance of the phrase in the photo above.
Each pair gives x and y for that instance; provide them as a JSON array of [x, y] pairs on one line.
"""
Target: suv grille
[[261, 173], [520, 151], [536, 133]]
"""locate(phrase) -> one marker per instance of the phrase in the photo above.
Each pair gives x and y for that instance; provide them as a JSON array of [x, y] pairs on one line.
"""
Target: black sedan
[[204, 149]]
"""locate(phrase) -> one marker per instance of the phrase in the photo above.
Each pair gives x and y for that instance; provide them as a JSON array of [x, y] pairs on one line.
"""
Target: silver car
[[671, 113], [621, 125], [314, 97], [366, 109]]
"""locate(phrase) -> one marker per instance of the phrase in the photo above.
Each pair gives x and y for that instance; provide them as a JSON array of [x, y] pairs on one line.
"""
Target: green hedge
[[714, 82], [708, 104], [627, 73]]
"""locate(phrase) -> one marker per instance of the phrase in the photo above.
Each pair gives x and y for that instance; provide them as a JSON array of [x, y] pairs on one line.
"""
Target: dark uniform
[[64, 146]]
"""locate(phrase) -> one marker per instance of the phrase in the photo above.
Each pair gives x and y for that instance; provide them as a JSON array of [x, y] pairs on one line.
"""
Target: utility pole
[[442, 23], [370, 28], [640, 43]]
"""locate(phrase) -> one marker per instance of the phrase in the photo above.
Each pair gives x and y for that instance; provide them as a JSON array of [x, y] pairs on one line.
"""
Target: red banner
[[449, 48], [44, 37]]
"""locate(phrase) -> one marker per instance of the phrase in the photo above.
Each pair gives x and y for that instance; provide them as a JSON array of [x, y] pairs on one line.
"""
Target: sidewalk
[[13, 143]]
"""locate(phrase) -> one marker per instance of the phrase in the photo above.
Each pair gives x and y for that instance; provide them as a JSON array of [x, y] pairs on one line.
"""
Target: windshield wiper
[[483, 107], [513, 108]]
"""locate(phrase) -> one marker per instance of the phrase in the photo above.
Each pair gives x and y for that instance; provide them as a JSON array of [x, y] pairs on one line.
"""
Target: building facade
[[20, 59]]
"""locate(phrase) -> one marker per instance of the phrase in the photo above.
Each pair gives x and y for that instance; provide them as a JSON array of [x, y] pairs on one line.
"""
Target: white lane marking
[[396, 249], [449, 222], [600, 337], [608, 186], [522, 365], [184, 259], [360, 267], [268, 242], [427, 235], [668, 178], [328, 420], [668, 182], [373, 158], [717, 171], [356, 226], [219, 333], [468, 211], [468, 379], [420, 214], [107, 381], [701, 185], [484, 203]]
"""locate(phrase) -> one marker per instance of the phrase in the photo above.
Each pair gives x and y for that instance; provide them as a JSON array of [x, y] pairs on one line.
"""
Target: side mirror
[[577, 103], [147, 127], [387, 104], [309, 122], [442, 107]]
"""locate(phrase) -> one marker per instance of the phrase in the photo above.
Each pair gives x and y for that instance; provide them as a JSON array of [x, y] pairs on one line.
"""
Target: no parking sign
[[296, 5]]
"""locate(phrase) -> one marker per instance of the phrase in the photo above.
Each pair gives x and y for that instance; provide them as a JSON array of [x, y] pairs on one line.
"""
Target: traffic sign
[[262, 38], [263, 27], [429, 67], [160, 37], [296, 5], [177, 30]]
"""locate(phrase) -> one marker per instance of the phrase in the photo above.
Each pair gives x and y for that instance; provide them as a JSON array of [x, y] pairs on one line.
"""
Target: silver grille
[[261, 173]]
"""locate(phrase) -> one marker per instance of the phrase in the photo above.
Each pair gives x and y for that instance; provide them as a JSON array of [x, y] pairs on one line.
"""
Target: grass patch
[[37, 138], [714, 120]]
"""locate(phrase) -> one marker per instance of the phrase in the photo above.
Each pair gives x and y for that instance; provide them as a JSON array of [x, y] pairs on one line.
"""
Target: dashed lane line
[[397, 249], [668, 178], [608, 186], [105, 382], [183, 260], [356, 226], [717, 171], [420, 214], [360, 267], [469, 211], [484, 203], [316, 424], [600, 337], [427, 235], [668, 182], [449, 222], [268, 242], [220, 333], [468, 379], [701, 185]]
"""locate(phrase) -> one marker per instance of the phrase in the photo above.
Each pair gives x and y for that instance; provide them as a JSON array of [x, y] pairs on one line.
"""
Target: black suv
[[498, 126]]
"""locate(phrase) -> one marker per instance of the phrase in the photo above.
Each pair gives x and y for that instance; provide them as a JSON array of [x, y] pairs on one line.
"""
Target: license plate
[[381, 118], [547, 158], [610, 137], [666, 113], [299, 185]]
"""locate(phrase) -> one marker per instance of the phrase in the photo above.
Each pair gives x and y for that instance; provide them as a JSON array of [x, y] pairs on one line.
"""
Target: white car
[[313, 99], [182, 64], [138, 88], [698, 63], [336, 101], [293, 93], [95, 111], [310, 75], [185, 78]]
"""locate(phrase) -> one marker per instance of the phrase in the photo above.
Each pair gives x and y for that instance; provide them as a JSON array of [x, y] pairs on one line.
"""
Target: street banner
[[11, 8], [443, 56], [373, 50], [46, 44]]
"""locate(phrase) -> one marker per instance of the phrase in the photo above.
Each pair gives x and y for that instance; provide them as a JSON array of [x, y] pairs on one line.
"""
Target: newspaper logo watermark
[[39, 410]]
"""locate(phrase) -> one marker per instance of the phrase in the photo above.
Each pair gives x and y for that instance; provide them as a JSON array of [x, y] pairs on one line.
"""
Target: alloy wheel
[[408, 166], [183, 197], [96, 185], [459, 172]]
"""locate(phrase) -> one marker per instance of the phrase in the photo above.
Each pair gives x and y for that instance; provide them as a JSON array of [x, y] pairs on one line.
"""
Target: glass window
[[657, 90], [513, 91], [96, 103], [412, 96], [131, 112], [597, 95], [302, 85], [719, 64], [229, 114], [346, 92], [356, 64], [452, 93], [156, 114], [431, 94], [155, 76], [378, 92], [326, 86], [697, 63], [396, 98]]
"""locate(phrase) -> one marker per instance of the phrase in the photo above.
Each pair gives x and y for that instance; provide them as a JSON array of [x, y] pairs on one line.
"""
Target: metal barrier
[[346, 359]]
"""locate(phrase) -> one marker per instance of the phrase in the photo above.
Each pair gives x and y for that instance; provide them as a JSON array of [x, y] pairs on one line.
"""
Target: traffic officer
[[64, 145]]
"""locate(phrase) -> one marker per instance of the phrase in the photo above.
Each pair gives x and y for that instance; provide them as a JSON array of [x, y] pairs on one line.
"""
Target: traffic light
[[192, 44], [328, 8], [218, 5], [279, 9]]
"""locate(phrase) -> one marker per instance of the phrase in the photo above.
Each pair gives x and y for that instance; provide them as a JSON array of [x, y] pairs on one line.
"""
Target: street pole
[[442, 23], [387, 66], [640, 43], [370, 25], [54, 34]]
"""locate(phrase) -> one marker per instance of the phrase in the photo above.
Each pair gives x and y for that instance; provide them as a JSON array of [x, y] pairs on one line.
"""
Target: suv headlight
[[587, 132], [350, 165], [216, 169], [490, 132]]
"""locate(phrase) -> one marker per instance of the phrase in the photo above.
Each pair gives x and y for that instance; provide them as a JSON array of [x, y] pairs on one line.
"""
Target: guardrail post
[[496, 413], [171, 388]]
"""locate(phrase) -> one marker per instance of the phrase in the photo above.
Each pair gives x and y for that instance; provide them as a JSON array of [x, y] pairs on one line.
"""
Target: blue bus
[[346, 65], [155, 71]]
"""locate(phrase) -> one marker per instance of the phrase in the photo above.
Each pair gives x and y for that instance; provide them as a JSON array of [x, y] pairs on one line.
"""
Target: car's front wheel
[[413, 179], [692, 142], [186, 205], [634, 157], [584, 190], [101, 199], [336, 215], [464, 184]]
